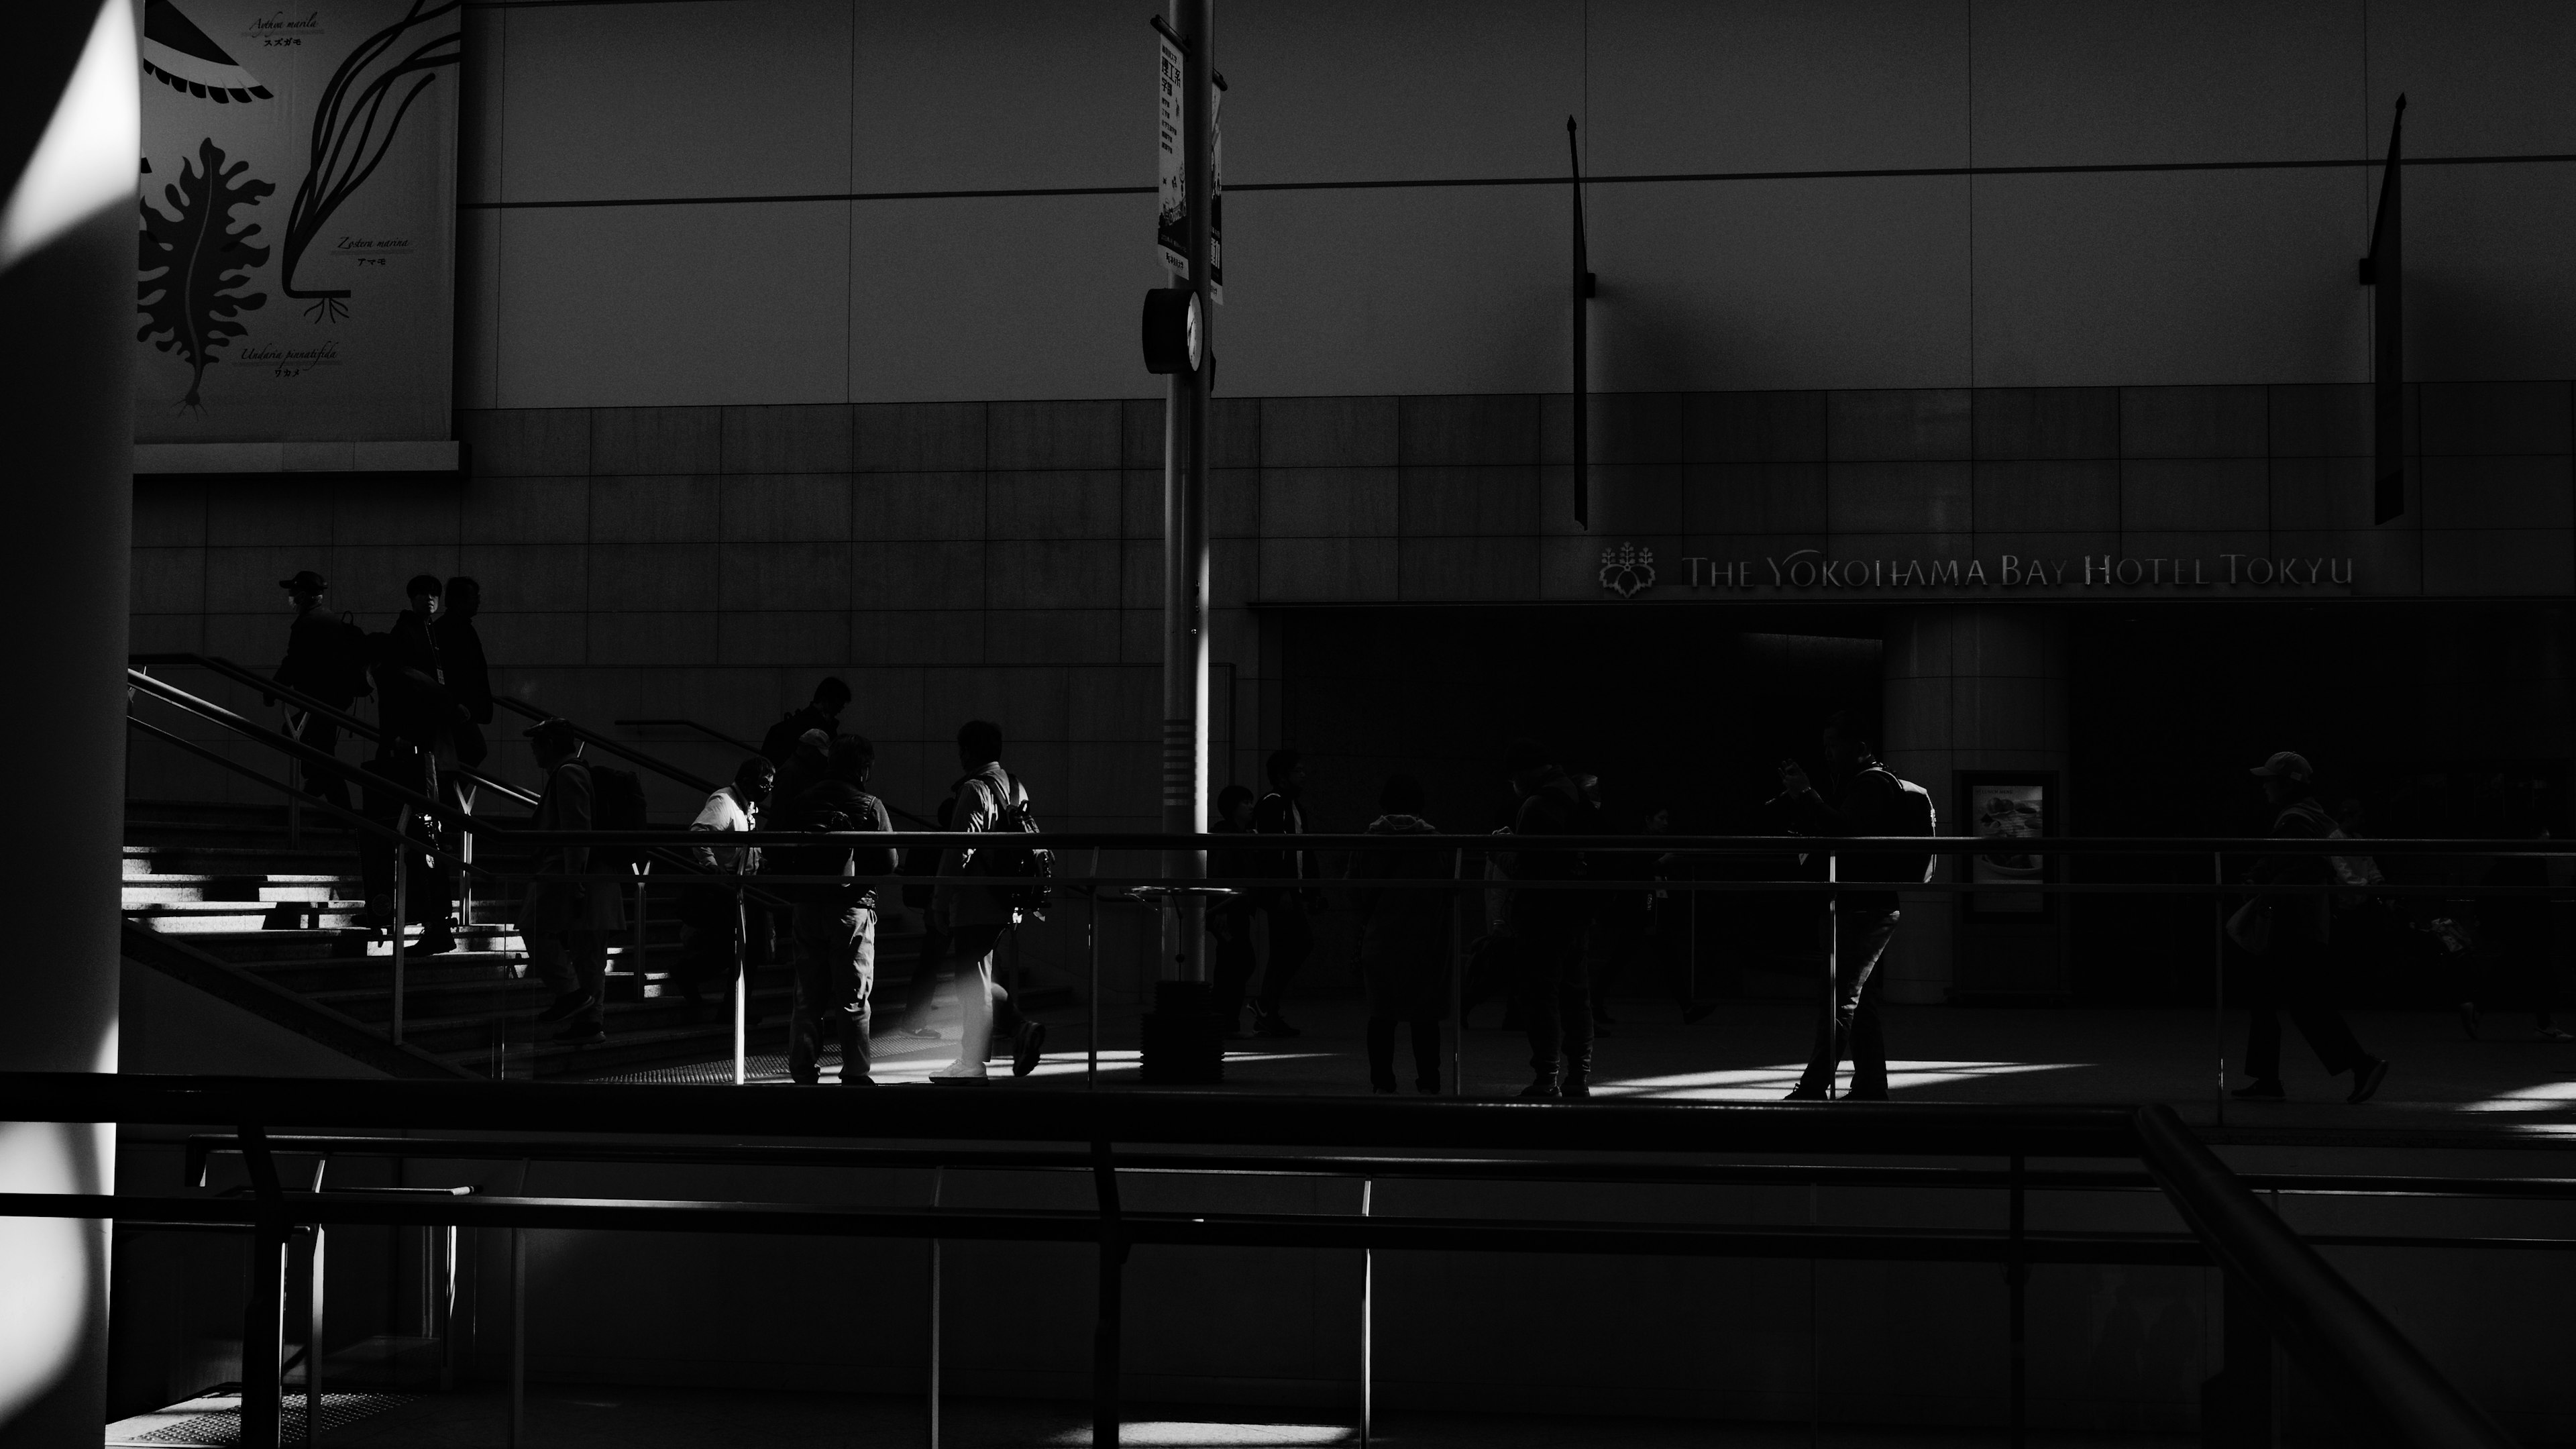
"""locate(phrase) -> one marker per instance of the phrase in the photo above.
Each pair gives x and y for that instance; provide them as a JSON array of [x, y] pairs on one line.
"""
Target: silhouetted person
[[1229, 918], [711, 914], [2285, 934], [460, 656], [977, 917], [326, 660], [922, 991], [411, 709], [806, 765], [823, 713], [1288, 909], [835, 924], [1404, 938], [1863, 921], [568, 921], [1548, 924]]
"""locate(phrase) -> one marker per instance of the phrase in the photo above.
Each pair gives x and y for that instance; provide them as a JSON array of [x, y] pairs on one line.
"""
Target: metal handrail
[[341, 717], [2334, 1332], [710, 731], [587, 736], [2337, 1335], [351, 817]]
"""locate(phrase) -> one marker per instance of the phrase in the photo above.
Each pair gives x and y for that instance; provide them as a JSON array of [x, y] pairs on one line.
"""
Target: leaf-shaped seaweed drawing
[[346, 144], [194, 262]]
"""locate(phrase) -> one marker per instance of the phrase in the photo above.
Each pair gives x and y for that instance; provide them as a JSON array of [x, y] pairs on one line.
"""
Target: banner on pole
[[1172, 215], [297, 227]]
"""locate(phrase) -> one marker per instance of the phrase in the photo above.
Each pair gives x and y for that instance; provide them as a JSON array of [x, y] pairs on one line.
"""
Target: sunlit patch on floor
[[2538, 1097], [1770, 1084], [1173, 1434]]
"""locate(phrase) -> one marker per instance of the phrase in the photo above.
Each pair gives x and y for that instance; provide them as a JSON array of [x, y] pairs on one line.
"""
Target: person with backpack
[[712, 913], [1872, 801], [1404, 938], [567, 921], [1546, 923], [823, 713], [2285, 933], [326, 660], [834, 921], [977, 917], [1288, 909]]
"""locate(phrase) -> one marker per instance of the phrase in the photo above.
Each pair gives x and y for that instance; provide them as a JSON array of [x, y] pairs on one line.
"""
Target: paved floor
[[2509, 1083], [561, 1417]]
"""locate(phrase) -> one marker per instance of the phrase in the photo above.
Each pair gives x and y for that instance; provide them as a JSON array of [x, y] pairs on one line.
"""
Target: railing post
[[1461, 904], [1091, 1064], [741, 973], [402, 865], [518, 1332], [1104, 1332], [938, 1177], [313, 1325], [1368, 1325], [2017, 1283], [2218, 973], [1831, 1023], [264, 1299]]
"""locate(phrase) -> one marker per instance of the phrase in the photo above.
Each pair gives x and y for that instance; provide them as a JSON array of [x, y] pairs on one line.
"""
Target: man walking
[[326, 661], [824, 714], [1548, 924], [1862, 921], [567, 921], [1288, 909], [2285, 933], [835, 922], [977, 917], [711, 918]]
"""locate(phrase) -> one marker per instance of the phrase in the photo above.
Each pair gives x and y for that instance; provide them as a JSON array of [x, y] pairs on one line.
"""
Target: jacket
[[325, 658], [2306, 916], [1276, 814], [982, 798], [1868, 807], [724, 813], [1406, 920], [1554, 806], [569, 905], [460, 655], [854, 809]]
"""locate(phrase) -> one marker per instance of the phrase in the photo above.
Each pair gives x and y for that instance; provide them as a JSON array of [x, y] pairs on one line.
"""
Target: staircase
[[222, 895]]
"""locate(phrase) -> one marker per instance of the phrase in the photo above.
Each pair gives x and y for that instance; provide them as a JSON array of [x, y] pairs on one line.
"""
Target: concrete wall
[[1421, 245]]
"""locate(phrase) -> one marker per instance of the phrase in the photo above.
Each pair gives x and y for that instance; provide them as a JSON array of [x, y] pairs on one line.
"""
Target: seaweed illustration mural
[[351, 134], [196, 260]]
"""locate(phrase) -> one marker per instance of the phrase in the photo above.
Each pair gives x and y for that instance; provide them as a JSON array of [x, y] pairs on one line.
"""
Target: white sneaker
[[962, 1071]]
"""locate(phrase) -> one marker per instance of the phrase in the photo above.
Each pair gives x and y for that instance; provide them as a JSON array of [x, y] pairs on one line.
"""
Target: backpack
[[780, 742], [347, 658], [1914, 816], [616, 803], [1028, 866]]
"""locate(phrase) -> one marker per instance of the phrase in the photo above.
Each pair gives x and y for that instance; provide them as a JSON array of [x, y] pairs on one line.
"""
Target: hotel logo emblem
[[1627, 570]]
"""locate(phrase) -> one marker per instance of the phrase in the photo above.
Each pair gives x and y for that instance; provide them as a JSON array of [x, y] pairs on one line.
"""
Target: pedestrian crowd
[[1562, 920]]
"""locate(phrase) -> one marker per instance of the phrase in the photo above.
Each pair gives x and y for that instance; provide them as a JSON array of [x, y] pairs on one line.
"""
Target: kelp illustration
[[351, 133], [195, 261]]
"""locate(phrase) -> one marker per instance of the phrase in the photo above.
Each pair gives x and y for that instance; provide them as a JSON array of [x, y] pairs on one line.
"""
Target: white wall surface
[[1354, 286]]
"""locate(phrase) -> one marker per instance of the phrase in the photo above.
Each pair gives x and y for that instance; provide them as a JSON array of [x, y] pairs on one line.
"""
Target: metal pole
[[741, 973], [2218, 974], [1104, 1332], [1462, 903], [1832, 1022], [295, 778], [402, 866], [938, 1178], [2017, 1280], [518, 1334], [313, 1342], [1091, 1062], [1368, 1323], [1185, 546]]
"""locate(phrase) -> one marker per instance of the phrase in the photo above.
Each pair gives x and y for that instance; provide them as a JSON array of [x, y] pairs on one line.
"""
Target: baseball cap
[[2286, 763], [305, 582], [816, 739]]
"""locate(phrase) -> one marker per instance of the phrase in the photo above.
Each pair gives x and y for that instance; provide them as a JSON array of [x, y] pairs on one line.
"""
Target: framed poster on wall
[[2001, 807], [295, 302]]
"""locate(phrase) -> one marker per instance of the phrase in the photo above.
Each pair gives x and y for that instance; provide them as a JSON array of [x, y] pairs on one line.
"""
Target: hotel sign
[[1627, 572]]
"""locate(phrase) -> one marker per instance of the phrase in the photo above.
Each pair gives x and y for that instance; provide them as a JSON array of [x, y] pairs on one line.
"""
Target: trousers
[[569, 961], [836, 973], [2291, 977], [1847, 1024], [984, 1005], [1556, 991], [1292, 940]]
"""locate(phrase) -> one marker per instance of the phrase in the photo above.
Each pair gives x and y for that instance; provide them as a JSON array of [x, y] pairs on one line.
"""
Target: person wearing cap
[[567, 921], [2285, 932], [326, 661]]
